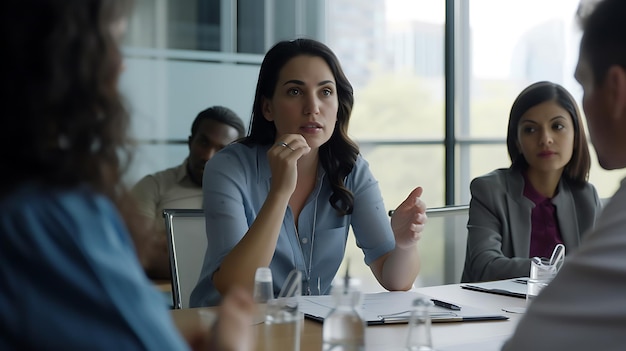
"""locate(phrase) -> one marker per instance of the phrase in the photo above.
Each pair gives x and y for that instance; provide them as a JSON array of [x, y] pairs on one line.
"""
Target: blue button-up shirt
[[236, 183]]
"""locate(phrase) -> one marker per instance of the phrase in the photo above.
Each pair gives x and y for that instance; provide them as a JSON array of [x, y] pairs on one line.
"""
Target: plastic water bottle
[[263, 285], [344, 329]]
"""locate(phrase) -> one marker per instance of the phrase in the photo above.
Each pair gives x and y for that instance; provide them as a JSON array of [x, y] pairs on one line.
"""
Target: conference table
[[451, 336]]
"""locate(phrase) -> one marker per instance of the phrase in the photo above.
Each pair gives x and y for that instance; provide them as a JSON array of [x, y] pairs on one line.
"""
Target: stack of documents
[[395, 307]]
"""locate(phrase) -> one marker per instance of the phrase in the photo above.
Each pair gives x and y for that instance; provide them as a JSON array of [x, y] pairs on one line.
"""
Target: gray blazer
[[498, 238]]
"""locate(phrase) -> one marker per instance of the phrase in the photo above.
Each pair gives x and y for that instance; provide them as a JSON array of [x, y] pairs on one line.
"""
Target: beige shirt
[[167, 189]]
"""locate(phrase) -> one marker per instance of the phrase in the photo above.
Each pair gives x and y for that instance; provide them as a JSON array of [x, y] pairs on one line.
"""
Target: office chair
[[187, 242]]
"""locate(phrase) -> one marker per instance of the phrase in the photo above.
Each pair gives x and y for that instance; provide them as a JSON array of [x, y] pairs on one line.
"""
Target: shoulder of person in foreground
[[72, 252]]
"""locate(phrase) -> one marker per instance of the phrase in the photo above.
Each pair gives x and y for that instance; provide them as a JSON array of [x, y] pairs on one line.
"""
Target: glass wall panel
[[399, 169], [513, 49], [209, 23], [199, 25], [392, 52], [166, 95], [486, 158], [180, 24], [251, 26], [182, 56]]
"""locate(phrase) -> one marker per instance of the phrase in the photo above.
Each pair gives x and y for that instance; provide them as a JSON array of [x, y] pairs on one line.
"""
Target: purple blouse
[[545, 233]]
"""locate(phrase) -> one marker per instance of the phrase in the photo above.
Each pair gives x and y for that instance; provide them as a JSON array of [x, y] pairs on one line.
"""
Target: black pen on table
[[447, 305]]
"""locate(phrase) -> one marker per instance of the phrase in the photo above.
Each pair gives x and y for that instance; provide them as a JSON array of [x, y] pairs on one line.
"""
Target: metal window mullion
[[160, 24], [450, 102], [228, 26], [269, 28], [300, 18], [463, 93]]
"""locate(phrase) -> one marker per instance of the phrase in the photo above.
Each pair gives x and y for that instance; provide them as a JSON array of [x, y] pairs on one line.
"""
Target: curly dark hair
[[64, 120], [338, 155]]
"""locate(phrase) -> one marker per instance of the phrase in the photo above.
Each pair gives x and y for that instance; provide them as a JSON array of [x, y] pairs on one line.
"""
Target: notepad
[[515, 287], [394, 307]]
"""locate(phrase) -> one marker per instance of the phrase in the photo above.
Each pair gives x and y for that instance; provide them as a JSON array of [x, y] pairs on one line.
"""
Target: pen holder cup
[[541, 274]]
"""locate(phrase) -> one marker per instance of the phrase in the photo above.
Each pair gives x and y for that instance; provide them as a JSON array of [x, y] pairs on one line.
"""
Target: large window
[[396, 64], [507, 52]]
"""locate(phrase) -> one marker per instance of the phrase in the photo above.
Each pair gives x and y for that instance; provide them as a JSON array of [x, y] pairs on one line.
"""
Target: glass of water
[[283, 320], [419, 337]]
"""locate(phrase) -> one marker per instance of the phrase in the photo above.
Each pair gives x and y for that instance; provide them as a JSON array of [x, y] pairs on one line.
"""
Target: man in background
[[583, 308], [181, 186]]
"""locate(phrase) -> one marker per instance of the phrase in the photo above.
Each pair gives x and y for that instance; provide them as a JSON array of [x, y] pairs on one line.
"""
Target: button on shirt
[[236, 183]]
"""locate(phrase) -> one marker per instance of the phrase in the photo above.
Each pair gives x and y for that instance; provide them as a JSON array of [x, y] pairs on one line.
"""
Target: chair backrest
[[187, 242]]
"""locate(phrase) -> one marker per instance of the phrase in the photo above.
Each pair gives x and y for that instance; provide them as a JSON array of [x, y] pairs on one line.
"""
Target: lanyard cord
[[307, 272]]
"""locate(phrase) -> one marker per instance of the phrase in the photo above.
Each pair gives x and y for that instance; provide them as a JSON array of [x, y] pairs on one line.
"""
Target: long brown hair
[[338, 155]]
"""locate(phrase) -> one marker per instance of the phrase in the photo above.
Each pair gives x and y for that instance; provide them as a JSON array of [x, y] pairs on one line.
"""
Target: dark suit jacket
[[499, 227]]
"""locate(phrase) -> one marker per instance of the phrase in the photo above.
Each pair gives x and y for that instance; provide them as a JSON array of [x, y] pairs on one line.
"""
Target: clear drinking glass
[[419, 336], [344, 329], [283, 320]]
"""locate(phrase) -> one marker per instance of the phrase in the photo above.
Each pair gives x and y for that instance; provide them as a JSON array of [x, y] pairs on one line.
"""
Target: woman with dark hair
[[71, 279], [286, 195], [543, 199]]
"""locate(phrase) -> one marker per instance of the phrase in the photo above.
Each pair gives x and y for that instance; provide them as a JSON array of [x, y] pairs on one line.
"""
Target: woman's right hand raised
[[283, 157]]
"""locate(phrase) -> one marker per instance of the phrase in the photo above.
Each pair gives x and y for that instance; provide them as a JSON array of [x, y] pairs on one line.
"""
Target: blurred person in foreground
[[181, 186], [70, 277], [583, 307]]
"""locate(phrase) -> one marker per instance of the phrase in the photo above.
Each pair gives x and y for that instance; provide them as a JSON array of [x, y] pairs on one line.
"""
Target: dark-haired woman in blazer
[[543, 199]]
